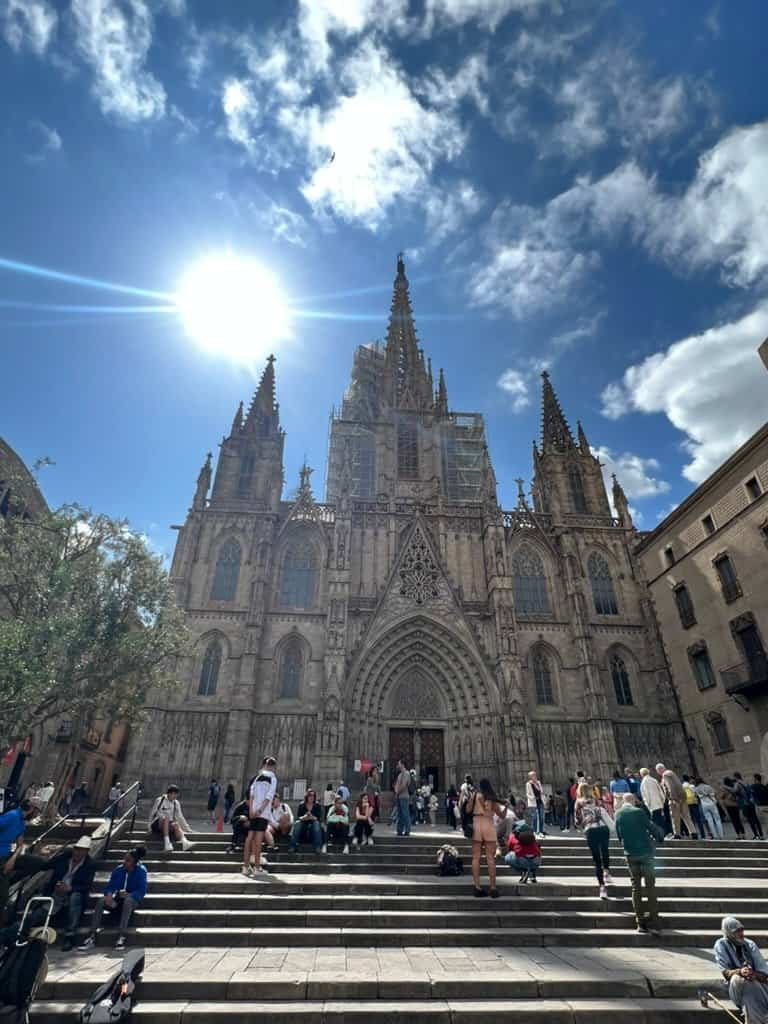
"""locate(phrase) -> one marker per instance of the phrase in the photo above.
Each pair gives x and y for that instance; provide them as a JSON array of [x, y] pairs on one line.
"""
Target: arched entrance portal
[[421, 692]]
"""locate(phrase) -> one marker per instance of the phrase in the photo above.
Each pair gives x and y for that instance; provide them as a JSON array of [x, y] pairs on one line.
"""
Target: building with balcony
[[706, 565]]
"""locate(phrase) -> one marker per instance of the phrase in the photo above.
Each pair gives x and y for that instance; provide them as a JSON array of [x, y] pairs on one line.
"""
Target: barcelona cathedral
[[407, 615]]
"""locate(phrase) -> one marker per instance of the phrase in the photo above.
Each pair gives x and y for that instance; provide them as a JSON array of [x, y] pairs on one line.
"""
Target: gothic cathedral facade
[[408, 615]]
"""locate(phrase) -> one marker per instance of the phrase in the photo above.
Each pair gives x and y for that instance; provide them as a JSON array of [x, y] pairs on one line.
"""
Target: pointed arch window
[[299, 580], [227, 572], [209, 674], [621, 683], [529, 584], [407, 450], [291, 670], [578, 498], [603, 593], [542, 677]]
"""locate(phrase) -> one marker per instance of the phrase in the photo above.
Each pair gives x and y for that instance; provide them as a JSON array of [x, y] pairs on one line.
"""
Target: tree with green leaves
[[88, 623]]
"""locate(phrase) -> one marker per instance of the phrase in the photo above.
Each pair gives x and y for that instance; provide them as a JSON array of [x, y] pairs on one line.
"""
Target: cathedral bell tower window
[[299, 579], [227, 572], [578, 498], [209, 674], [603, 593], [246, 476]]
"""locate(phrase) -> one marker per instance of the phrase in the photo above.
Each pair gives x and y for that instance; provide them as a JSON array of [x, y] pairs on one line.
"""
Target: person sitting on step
[[306, 826], [337, 825], [524, 853], [744, 970], [126, 888], [70, 884], [280, 817], [240, 826], [363, 821], [167, 820]]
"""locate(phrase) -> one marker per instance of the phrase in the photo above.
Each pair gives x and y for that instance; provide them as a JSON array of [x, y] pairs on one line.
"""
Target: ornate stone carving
[[416, 697], [418, 571]]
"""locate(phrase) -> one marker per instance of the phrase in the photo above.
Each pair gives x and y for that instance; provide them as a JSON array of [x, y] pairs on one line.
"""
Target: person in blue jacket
[[126, 888]]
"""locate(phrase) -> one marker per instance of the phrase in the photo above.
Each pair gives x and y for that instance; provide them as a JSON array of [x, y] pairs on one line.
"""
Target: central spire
[[407, 374], [555, 433]]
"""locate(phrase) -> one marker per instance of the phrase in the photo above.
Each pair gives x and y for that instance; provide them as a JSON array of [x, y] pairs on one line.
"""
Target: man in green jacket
[[637, 834]]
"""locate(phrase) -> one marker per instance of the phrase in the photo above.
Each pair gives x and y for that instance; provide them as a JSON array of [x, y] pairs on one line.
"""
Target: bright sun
[[233, 306]]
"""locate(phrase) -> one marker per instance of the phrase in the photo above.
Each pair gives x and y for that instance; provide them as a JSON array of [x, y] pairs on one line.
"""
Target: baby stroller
[[24, 960], [115, 999]]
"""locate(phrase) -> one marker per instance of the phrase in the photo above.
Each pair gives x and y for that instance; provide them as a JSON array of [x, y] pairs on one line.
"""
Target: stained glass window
[[209, 675], [227, 572], [542, 676], [407, 450], [621, 683], [602, 585], [529, 583], [291, 669], [299, 579]]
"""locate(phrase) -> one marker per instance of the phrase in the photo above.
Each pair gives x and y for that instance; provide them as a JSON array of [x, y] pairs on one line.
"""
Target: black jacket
[[82, 880]]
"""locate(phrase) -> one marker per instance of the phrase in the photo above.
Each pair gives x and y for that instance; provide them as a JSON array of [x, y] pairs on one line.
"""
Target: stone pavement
[[374, 934]]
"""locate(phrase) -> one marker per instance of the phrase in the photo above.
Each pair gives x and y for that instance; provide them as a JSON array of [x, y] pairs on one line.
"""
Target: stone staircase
[[338, 939]]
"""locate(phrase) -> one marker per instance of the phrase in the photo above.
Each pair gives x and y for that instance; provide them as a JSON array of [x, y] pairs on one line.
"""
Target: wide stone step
[[432, 1011], [487, 935]]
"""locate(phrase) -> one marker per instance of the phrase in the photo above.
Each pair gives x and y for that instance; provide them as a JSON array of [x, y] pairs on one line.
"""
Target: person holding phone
[[126, 888], [307, 823]]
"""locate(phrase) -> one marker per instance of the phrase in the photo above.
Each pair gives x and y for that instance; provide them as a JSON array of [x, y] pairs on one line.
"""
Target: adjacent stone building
[[707, 569], [408, 615]]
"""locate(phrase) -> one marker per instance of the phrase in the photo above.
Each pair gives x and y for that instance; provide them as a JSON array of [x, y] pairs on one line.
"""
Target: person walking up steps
[[590, 819], [263, 788], [482, 805], [637, 834]]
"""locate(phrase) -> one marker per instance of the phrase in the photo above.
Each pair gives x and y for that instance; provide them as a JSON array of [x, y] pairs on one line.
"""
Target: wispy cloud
[[28, 24], [43, 142]]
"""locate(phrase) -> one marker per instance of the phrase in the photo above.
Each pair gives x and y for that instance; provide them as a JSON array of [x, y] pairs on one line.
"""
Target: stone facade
[[707, 570], [408, 615]]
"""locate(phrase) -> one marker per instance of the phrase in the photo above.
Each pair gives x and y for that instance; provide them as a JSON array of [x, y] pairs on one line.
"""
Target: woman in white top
[[710, 813], [167, 820]]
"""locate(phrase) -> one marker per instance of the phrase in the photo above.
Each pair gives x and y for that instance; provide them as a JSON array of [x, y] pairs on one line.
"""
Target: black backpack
[[114, 1001], [449, 862], [467, 826]]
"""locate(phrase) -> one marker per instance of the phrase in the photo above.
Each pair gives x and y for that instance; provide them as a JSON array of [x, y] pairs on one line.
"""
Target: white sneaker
[[607, 878], [167, 845], [354, 841], [370, 840], [346, 848], [263, 860], [603, 893], [186, 845], [325, 848]]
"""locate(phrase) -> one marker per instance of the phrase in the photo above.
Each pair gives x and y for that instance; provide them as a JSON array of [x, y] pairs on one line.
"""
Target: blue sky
[[577, 185]]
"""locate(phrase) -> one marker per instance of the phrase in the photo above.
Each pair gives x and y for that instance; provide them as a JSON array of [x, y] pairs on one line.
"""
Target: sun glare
[[233, 306]]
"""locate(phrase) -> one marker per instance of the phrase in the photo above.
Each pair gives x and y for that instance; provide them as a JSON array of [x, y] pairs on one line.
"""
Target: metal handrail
[[130, 812]]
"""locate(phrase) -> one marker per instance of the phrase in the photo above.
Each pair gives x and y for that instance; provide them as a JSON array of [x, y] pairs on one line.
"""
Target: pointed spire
[[409, 385], [264, 410], [583, 442], [203, 483], [555, 433], [621, 505], [237, 422], [441, 404]]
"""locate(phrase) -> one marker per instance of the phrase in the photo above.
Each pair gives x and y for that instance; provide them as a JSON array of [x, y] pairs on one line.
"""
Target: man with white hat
[[70, 884]]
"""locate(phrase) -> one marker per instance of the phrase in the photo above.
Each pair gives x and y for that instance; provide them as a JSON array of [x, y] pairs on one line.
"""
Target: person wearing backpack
[[524, 853], [729, 798], [590, 819], [747, 805]]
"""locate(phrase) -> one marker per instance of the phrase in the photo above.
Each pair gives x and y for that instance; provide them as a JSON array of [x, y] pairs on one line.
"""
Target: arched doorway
[[417, 724]]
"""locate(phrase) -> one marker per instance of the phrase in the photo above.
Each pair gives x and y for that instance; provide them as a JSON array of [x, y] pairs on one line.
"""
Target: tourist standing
[[214, 792], [708, 808], [618, 785], [729, 798], [590, 818], [747, 805], [571, 793], [482, 805], [559, 809], [633, 782], [745, 971], [692, 801], [637, 834], [363, 821], [167, 819], [678, 808], [534, 799], [652, 796], [434, 804], [451, 802], [373, 789], [229, 802], [402, 799], [263, 789], [760, 797], [343, 791]]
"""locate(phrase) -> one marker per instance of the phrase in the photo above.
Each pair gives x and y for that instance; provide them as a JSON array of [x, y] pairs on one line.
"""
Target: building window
[[603, 593], [750, 641], [729, 581], [709, 525], [621, 685], [209, 674], [291, 667], [721, 738], [684, 606], [701, 666], [529, 584], [578, 498], [299, 578], [764, 531], [753, 488], [247, 464], [227, 572], [542, 677], [669, 557], [408, 450], [363, 465]]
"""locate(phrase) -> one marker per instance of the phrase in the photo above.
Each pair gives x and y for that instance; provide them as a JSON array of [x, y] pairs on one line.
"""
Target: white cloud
[[487, 13], [469, 82], [515, 384], [616, 402], [638, 476], [43, 141], [114, 40], [710, 386], [448, 209], [28, 24], [386, 142], [319, 19]]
